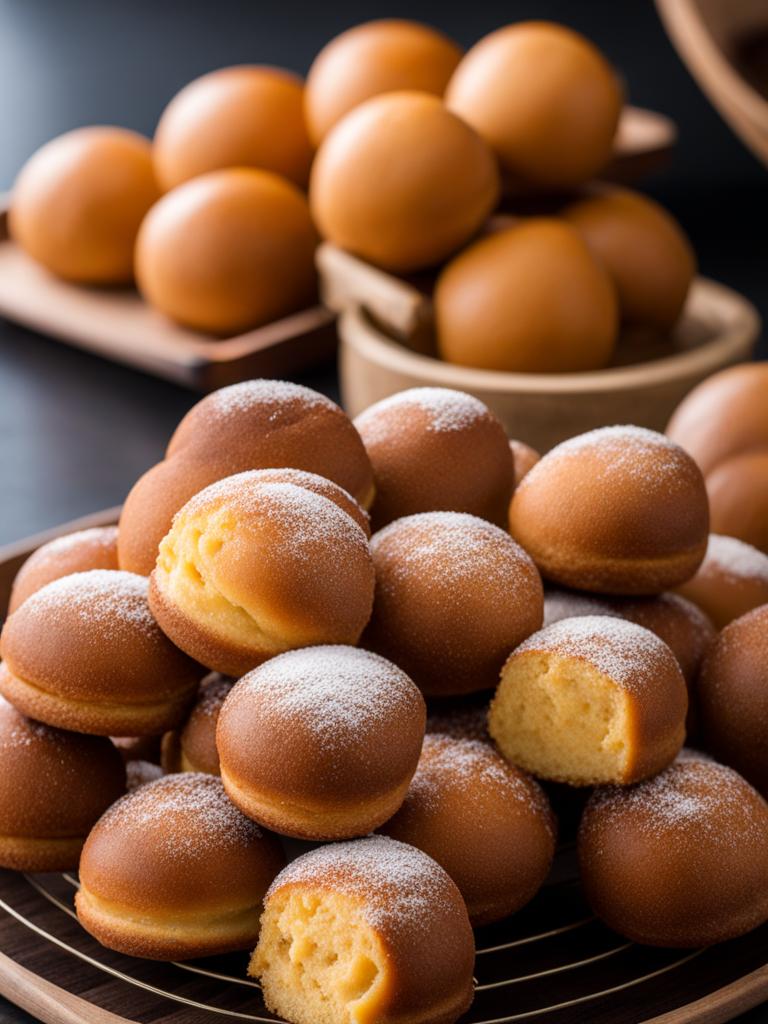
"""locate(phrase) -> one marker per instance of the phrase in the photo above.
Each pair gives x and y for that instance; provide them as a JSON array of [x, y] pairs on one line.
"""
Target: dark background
[[76, 431]]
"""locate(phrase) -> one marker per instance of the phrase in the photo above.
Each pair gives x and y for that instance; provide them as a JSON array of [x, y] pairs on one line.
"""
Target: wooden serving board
[[115, 323], [551, 963]]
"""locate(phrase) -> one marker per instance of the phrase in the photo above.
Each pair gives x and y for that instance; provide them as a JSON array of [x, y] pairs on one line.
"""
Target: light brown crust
[[738, 497], [454, 594], [349, 726], [434, 449], [525, 458], [280, 424], [416, 912], [192, 748], [288, 568], [174, 870], [84, 653], [733, 697], [54, 785], [731, 581], [680, 860], [76, 552], [487, 823], [619, 510]]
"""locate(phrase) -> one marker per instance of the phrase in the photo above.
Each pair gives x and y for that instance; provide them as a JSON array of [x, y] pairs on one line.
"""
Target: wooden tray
[[552, 963], [116, 324], [387, 344]]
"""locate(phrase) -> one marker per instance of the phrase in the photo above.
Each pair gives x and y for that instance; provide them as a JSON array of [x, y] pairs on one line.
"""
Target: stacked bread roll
[[514, 622]]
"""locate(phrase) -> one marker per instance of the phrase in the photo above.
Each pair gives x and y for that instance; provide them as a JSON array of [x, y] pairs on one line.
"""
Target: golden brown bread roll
[[441, 182], [380, 56], [723, 416], [349, 727], [53, 787], [732, 695], [174, 871], [252, 567], [454, 595], [85, 653], [590, 700], [528, 299], [645, 251], [731, 581], [79, 200], [525, 458], [165, 488], [435, 449], [389, 940], [76, 552], [228, 251], [483, 820], [251, 115], [738, 497], [544, 98], [192, 748], [679, 860], [461, 718], [279, 424], [621, 510]]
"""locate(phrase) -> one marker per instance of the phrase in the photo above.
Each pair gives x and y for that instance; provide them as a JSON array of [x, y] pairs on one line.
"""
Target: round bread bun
[[252, 567], [723, 416], [54, 785], [544, 98], [280, 424], [733, 697], [645, 251], [85, 653], [349, 727], [680, 860], [138, 748], [246, 116], [525, 458], [174, 871], [434, 449], [158, 495], [193, 747], [461, 718], [731, 581], [590, 700], [528, 299], [620, 510], [229, 251], [483, 820], [79, 200], [738, 497], [387, 55], [681, 624], [454, 595], [441, 182], [75, 552], [387, 917]]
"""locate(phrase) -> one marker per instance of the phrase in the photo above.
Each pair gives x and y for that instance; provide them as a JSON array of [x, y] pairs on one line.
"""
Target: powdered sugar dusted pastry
[[75, 552], [731, 581], [192, 748], [371, 930]]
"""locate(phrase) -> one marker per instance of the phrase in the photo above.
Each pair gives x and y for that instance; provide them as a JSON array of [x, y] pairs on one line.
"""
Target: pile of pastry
[[401, 700]]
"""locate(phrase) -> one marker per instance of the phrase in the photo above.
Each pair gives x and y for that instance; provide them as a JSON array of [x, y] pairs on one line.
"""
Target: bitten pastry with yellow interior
[[436, 450], [192, 748], [483, 820], [54, 785], [454, 595], [679, 860], [321, 743], [253, 567], [257, 424], [621, 510], [590, 700], [85, 653], [75, 552], [367, 931], [732, 695], [174, 871], [731, 581]]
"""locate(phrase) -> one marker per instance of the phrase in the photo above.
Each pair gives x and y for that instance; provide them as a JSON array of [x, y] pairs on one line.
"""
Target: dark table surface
[[76, 431]]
